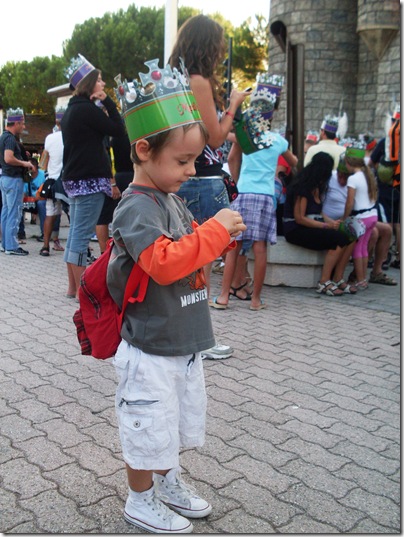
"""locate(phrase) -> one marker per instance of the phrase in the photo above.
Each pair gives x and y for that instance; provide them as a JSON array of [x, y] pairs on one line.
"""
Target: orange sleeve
[[167, 261]]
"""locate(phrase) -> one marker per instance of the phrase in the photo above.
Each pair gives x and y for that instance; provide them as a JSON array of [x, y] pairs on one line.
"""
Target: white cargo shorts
[[160, 406]]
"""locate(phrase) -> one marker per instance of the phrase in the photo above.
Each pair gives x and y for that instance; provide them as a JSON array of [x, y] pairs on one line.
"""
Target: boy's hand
[[232, 221]]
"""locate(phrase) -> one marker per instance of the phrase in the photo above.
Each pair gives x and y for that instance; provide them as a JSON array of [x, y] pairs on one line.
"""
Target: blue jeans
[[84, 214], [204, 196], [12, 189]]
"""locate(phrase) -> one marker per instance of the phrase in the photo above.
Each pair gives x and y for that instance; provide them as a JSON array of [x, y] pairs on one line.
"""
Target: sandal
[[362, 285], [329, 288], [395, 264], [215, 304], [349, 289], [381, 278], [262, 306], [44, 251], [233, 292], [57, 246]]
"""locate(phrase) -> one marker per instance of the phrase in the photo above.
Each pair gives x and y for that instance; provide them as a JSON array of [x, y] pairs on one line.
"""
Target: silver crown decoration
[[75, 65], [15, 114], [78, 69], [156, 83], [267, 92], [161, 102], [253, 130], [346, 142], [353, 147], [330, 123]]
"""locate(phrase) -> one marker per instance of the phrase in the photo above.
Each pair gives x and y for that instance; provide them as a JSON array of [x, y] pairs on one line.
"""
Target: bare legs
[[260, 267], [74, 273], [47, 230], [235, 263], [381, 238], [102, 232], [228, 273]]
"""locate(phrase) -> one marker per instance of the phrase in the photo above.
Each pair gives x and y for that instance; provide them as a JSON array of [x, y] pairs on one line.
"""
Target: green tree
[[25, 84], [120, 43], [250, 51]]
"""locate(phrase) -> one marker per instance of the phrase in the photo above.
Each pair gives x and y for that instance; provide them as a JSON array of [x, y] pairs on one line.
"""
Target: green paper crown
[[162, 102], [356, 150]]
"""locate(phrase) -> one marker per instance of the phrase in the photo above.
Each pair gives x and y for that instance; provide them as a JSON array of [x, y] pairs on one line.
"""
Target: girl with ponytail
[[361, 203]]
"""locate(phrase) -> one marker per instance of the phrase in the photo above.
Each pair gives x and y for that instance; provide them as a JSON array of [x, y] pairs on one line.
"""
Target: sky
[[40, 27]]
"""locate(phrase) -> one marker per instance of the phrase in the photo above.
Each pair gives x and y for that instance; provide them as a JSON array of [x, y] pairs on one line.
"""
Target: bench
[[290, 265]]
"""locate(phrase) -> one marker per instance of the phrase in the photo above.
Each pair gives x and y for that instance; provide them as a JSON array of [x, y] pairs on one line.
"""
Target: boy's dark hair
[[86, 86], [159, 141], [34, 162]]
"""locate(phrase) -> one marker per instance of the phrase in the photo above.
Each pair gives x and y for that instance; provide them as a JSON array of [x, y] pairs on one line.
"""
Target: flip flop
[[234, 290], [262, 306], [215, 304]]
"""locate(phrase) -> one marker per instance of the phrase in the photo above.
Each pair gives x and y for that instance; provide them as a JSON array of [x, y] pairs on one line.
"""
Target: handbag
[[386, 171], [47, 189], [352, 227], [231, 187]]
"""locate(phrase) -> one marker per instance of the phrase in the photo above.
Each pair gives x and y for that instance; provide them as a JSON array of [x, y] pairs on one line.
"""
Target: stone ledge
[[290, 265]]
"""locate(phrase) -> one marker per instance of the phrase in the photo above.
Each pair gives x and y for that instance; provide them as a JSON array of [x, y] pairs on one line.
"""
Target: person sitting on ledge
[[304, 224]]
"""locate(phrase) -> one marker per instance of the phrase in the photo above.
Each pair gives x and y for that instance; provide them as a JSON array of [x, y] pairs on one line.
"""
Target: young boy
[[161, 399]]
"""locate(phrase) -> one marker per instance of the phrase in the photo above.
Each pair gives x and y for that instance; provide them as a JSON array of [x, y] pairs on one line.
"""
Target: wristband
[[113, 184], [229, 114]]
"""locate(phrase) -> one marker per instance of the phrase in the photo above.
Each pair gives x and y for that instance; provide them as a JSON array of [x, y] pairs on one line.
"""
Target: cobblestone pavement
[[303, 429]]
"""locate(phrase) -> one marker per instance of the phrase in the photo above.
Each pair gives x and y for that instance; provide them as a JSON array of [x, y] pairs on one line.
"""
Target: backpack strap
[[138, 280]]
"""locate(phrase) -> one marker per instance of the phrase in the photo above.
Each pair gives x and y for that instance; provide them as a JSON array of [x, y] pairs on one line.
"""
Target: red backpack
[[98, 320]]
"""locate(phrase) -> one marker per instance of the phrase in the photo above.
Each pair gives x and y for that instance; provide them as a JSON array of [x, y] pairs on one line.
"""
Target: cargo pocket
[[144, 427]]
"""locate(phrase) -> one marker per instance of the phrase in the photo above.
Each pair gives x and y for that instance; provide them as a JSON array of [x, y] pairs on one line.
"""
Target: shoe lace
[[159, 508], [182, 491]]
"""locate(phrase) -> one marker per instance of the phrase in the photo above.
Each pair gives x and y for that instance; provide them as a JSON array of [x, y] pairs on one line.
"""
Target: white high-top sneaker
[[145, 510], [179, 496]]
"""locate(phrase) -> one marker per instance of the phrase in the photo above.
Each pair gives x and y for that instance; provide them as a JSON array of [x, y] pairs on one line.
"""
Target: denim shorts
[[160, 405], [204, 196]]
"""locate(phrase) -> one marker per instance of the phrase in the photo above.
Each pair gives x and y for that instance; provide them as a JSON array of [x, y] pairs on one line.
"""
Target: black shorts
[[317, 238], [107, 211], [389, 204]]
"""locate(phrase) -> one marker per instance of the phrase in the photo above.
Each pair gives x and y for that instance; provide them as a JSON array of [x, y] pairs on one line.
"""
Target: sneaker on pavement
[[17, 251], [178, 496], [2, 249], [218, 352], [147, 511]]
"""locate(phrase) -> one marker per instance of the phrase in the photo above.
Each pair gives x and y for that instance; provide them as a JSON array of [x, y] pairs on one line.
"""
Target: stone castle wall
[[341, 73]]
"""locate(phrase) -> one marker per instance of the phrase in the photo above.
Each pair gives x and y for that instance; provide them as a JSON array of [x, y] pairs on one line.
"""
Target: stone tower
[[348, 61]]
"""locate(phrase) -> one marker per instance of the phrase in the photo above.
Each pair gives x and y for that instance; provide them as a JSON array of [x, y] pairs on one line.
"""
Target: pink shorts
[[160, 406]]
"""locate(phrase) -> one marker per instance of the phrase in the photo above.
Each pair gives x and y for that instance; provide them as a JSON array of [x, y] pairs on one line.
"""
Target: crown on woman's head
[[253, 130], [78, 69], [14, 115], [162, 102]]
